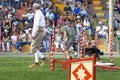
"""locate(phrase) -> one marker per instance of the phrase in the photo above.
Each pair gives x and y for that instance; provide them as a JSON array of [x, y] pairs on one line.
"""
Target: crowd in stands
[[17, 30]]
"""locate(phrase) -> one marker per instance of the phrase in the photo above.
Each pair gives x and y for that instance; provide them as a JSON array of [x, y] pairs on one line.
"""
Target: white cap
[[100, 22], [26, 22], [30, 29], [6, 30], [78, 17]]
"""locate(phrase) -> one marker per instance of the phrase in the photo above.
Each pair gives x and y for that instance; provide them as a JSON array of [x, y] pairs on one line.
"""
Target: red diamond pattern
[[81, 66]]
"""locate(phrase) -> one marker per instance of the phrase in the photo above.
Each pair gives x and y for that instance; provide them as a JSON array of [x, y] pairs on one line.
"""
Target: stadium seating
[[98, 8]]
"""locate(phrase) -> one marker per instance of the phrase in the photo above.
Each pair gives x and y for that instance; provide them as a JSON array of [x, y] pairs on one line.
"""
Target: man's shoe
[[34, 65], [43, 61]]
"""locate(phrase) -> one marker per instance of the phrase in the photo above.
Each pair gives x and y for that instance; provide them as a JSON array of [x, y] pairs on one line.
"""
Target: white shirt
[[39, 20], [30, 15], [86, 23], [50, 15], [103, 30], [14, 38]]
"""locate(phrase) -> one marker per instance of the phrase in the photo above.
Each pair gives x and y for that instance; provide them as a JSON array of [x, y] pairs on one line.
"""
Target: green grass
[[16, 68]]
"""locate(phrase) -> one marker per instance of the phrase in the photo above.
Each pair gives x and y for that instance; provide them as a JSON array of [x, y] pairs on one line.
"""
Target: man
[[69, 38], [38, 33]]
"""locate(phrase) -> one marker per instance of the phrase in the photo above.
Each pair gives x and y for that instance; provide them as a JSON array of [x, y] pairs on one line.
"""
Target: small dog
[[91, 51]]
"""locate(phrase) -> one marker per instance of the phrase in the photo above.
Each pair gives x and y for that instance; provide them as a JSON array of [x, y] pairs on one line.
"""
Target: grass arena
[[15, 67]]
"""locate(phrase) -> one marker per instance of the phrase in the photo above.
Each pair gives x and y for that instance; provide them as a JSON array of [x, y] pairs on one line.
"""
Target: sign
[[82, 70]]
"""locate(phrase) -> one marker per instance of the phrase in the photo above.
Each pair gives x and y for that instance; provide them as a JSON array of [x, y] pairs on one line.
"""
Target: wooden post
[[111, 29]]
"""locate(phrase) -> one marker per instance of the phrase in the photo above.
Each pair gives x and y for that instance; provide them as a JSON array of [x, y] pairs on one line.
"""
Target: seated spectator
[[50, 15], [15, 21], [24, 3], [46, 41], [23, 19], [83, 12], [29, 35], [60, 20], [86, 24], [117, 5], [6, 41], [1, 14], [10, 14], [19, 40], [101, 30], [115, 24], [6, 22], [26, 27], [30, 16], [67, 10], [17, 4], [78, 26], [14, 39], [23, 39], [58, 40], [76, 10], [47, 37]]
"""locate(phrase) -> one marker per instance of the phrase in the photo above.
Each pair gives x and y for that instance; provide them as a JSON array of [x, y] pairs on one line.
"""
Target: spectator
[[10, 14], [23, 19], [24, 3], [6, 22], [29, 35], [87, 25], [60, 20], [118, 6], [78, 26], [67, 10], [58, 40], [15, 21], [83, 12], [23, 38], [17, 4], [26, 27], [1, 13], [6, 41], [50, 15], [76, 10], [101, 30], [14, 39], [44, 8], [30, 16], [94, 22], [46, 41]]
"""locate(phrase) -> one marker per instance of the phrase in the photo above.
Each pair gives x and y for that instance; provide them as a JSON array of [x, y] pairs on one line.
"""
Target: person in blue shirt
[[76, 10]]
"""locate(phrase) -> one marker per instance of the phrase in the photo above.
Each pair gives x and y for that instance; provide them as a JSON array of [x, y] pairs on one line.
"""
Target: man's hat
[[36, 5]]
